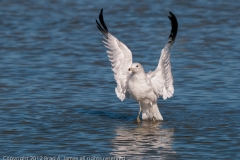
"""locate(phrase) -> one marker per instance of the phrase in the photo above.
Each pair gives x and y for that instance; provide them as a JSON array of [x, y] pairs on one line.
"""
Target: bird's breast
[[139, 89]]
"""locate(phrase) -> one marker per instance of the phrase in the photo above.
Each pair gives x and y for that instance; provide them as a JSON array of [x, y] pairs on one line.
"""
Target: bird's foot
[[154, 119], [138, 119]]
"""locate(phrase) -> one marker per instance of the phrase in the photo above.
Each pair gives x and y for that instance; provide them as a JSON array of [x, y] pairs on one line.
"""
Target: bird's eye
[[137, 66]]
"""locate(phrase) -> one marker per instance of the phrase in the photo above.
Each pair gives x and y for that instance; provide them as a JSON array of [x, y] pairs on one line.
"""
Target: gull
[[131, 78]]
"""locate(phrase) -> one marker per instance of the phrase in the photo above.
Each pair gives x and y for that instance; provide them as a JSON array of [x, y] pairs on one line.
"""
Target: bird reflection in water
[[143, 141]]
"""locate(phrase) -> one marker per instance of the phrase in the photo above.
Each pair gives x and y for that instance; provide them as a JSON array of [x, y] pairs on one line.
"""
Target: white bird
[[130, 77]]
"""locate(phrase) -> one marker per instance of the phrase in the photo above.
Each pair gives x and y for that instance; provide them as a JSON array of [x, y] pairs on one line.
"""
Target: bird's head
[[136, 68]]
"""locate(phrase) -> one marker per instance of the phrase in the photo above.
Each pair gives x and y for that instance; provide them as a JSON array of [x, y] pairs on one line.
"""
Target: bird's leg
[[140, 109], [153, 118]]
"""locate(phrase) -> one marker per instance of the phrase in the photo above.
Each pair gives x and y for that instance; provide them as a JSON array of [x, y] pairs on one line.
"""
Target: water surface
[[57, 89]]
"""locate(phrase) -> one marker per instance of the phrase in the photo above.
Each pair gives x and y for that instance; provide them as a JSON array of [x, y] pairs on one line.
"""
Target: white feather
[[121, 60], [161, 79]]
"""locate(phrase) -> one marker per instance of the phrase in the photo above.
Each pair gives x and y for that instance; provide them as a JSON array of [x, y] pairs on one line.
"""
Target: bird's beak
[[131, 69]]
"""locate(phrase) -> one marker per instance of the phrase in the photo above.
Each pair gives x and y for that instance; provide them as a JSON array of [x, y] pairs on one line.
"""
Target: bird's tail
[[148, 111]]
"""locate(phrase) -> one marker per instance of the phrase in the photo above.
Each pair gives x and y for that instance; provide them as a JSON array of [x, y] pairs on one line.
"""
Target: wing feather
[[120, 57], [161, 79]]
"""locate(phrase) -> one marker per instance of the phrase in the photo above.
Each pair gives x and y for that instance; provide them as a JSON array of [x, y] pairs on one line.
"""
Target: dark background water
[[57, 89]]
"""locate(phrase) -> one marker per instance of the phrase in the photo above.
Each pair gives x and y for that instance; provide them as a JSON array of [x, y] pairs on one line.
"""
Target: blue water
[[57, 89]]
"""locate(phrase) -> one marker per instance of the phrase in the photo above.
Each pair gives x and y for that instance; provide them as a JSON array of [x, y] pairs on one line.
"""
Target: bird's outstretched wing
[[120, 57], [161, 79]]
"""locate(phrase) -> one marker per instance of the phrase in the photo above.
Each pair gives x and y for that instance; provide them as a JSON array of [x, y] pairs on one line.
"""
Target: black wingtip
[[101, 26], [174, 23], [102, 20]]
